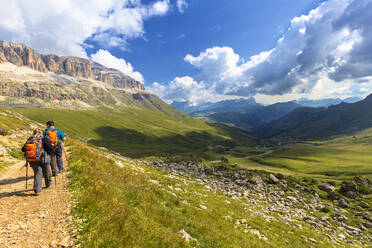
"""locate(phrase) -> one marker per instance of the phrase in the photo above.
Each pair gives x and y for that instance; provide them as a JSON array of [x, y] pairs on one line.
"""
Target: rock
[[256, 180], [341, 236], [351, 230], [22, 55], [350, 194], [345, 187], [273, 179], [367, 225], [223, 159], [65, 242], [326, 187], [364, 204], [280, 176], [342, 203], [202, 206], [367, 216], [339, 217], [334, 196], [313, 240], [186, 236], [361, 182]]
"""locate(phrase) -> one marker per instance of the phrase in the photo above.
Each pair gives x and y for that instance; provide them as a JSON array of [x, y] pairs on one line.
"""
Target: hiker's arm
[[62, 135]]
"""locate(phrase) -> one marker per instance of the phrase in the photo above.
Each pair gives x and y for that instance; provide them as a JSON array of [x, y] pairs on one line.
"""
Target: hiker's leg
[[46, 170], [38, 173], [59, 157]]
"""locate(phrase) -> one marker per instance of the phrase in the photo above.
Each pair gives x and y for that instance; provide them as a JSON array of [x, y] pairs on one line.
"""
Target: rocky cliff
[[22, 55]]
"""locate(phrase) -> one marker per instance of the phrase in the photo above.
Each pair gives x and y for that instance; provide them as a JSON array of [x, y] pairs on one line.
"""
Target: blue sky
[[247, 26], [205, 50]]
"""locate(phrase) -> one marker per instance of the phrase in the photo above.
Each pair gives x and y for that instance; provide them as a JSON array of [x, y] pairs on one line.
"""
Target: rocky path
[[33, 221]]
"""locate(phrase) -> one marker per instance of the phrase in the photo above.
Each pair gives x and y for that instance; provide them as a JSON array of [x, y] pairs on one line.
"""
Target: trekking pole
[[54, 169], [26, 172]]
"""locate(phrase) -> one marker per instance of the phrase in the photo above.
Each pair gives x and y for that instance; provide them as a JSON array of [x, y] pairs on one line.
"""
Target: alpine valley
[[143, 174]]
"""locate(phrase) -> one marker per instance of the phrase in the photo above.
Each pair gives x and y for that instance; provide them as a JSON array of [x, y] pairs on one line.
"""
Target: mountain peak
[[22, 55]]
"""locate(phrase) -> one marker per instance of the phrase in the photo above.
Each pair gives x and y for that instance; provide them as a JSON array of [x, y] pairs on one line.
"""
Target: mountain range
[[248, 114], [317, 123]]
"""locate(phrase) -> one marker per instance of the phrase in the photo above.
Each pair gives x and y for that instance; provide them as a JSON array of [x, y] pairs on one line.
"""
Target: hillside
[[120, 202], [321, 123], [142, 132]]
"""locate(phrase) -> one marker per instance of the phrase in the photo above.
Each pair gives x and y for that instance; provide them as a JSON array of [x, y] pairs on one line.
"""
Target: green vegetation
[[134, 205], [142, 132], [338, 158]]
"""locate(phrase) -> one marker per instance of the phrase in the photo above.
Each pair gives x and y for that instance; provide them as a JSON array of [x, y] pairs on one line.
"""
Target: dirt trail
[[260, 155], [33, 221]]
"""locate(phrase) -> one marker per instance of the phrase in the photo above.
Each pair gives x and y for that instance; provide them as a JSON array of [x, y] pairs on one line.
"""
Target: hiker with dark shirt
[[56, 137], [38, 151]]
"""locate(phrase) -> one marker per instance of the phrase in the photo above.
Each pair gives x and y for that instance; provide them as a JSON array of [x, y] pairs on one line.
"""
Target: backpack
[[52, 136], [34, 149]]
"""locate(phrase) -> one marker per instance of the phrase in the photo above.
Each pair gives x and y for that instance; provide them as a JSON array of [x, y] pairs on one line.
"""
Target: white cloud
[[182, 5], [62, 27], [326, 52], [107, 59], [182, 89]]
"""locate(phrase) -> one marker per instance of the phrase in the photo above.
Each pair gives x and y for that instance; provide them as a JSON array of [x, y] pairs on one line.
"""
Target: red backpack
[[34, 149]]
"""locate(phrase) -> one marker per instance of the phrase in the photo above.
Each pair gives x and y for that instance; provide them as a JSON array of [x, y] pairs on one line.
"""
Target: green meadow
[[142, 132], [337, 158]]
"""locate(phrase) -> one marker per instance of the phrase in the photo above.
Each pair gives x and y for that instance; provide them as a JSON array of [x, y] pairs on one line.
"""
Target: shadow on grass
[[135, 144]]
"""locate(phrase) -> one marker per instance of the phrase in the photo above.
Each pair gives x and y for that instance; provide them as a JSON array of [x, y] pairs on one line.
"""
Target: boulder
[[360, 181], [273, 179], [350, 194], [348, 187], [326, 187], [334, 196], [256, 180], [342, 203], [280, 176]]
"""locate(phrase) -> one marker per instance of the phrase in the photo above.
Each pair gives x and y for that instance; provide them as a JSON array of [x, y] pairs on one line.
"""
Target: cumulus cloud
[[182, 89], [105, 58], [62, 27], [182, 5], [327, 51]]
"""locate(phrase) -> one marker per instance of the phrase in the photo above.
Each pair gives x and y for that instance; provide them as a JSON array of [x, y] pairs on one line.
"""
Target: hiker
[[37, 151], [56, 137]]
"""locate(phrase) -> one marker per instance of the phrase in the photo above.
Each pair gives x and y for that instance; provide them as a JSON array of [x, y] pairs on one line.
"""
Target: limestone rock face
[[22, 55]]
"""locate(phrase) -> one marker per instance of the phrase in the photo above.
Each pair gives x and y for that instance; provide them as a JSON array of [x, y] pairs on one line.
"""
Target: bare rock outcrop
[[22, 55]]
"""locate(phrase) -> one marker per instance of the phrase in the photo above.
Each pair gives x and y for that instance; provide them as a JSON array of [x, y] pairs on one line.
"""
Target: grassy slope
[[141, 132], [138, 206]]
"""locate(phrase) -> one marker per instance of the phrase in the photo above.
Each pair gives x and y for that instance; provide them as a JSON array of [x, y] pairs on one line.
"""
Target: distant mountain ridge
[[22, 55], [248, 114], [317, 123]]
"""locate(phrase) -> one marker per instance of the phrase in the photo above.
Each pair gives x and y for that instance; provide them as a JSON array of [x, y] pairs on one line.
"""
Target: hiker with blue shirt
[[56, 137]]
